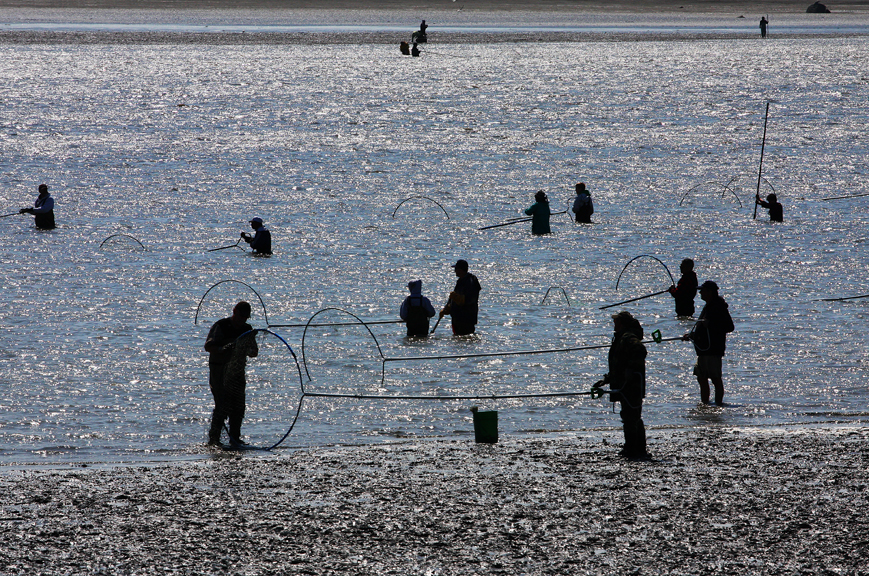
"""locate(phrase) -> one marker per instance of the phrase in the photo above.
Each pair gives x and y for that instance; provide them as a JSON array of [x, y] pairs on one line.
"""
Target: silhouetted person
[[582, 204], [776, 210], [709, 336], [405, 48], [763, 23], [539, 213], [43, 209], [463, 304], [686, 289], [414, 51]]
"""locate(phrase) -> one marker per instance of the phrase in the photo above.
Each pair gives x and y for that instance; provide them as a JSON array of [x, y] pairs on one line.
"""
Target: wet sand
[[712, 501]]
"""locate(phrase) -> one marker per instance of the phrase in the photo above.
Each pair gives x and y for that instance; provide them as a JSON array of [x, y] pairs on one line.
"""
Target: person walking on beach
[[540, 213], [763, 24], [463, 303], [627, 381], [776, 210], [582, 205], [709, 336], [227, 359], [686, 289], [43, 210], [261, 241], [416, 310]]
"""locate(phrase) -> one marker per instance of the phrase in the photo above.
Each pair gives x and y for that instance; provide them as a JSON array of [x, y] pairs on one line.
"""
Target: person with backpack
[[709, 336], [416, 310], [582, 205]]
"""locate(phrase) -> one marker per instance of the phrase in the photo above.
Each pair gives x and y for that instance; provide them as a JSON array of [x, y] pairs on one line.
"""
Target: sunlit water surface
[[177, 147]]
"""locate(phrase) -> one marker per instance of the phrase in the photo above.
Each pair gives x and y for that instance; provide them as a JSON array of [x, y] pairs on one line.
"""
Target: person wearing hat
[[685, 291], [627, 381], [43, 209], [463, 303], [416, 310], [709, 336], [261, 241], [776, 210], [582, 205], [539, 213], [227, 358]]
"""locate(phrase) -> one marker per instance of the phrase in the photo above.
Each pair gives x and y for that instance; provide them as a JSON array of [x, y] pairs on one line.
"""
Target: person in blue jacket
[[43, 209], [261, 241], [416, 310], [539, 213]]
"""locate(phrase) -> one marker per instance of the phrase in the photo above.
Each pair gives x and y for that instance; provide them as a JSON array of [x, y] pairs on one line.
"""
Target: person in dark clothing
[[627, 381], [776, 210], [540, 213], [686, 289], [763, 24], [416, 310], [583, 207], [404, 47], [414, 51], [226, 363], [463, 304], [709, 336], [261, 241], [43, 209]]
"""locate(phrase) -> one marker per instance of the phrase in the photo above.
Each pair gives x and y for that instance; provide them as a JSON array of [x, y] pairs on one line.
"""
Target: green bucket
[[486, 427]]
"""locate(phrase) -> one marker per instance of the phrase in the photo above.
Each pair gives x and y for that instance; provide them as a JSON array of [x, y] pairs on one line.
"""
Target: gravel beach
[[712, 501]]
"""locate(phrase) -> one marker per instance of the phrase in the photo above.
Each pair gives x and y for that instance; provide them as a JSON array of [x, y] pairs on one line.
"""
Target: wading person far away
[[776, 210], [43, 209], [582, 204], [261, 241], [627, 381], [763, 24], [709, 337], [416, 310], [539, 213], [463, 304], [226, 364], [686, 289]]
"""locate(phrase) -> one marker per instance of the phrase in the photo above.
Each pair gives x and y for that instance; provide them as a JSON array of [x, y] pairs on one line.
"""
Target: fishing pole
[[633, 299], [449, 301], [517, 221], [833, 198], [337, 324], [619, 279], [845, 298], [13, 214], [760, 168], [230, 246]]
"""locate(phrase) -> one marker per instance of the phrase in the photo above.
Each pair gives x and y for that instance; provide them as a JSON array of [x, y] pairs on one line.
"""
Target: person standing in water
[[582, 205], [261, 241], [776, 210], [227, 358], [43, 209], [416, 310], [709, 336], [463, 304], [763, 24], [539, 213], [686, 289]]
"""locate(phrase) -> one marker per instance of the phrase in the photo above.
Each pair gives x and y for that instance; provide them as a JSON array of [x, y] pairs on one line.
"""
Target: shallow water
[[177, 147]]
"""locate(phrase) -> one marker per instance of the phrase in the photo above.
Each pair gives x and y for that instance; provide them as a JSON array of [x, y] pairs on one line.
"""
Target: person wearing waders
[[686, 289], [463, 303], [709, 337], [582, 205], [226, 364], [416, 310], [763, 24], [627, 382], [776, 210], [261, 241], [539, 213], [43, 209]]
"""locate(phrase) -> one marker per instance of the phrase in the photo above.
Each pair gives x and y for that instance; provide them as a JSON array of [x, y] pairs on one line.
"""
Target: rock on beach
[[712, 501]]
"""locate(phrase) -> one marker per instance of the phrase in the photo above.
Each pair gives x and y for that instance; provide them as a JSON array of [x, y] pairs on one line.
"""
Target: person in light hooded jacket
[[416, 310]]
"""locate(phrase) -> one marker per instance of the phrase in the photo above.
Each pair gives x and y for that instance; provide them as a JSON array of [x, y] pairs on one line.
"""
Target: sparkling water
[[157, 154]]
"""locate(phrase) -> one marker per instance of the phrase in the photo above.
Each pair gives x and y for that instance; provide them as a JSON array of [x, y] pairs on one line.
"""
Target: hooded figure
[[539, 213], [776, 210], [627, 380], [416, 310], [582, 204]]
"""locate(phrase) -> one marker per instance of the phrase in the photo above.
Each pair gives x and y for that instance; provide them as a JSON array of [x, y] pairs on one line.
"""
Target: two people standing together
[[462, 306]]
